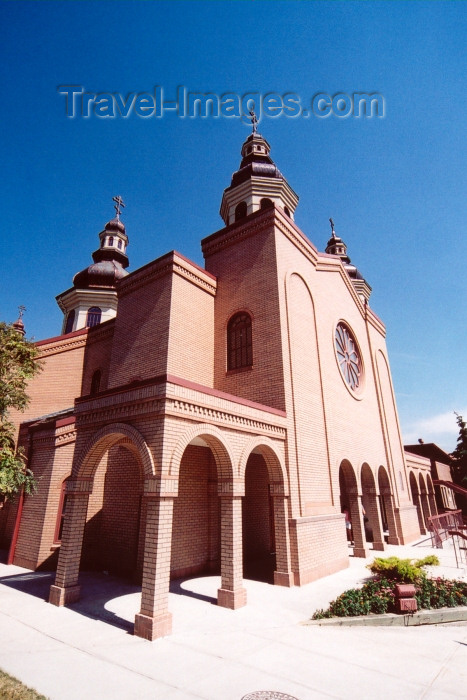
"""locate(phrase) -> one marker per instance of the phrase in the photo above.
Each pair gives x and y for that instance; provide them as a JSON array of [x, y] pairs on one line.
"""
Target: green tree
[[18, 364]]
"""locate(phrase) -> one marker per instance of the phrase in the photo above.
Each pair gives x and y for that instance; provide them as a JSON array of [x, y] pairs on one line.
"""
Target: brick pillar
[[66, 589], [425, 509], [154, 619], [213, 527], [392, 525], [283, 575], [358, 530], [432, 502], [374, 518], [416, 502], [231, 594]]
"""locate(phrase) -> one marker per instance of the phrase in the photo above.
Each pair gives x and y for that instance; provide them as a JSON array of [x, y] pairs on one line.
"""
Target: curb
[[424, 617]]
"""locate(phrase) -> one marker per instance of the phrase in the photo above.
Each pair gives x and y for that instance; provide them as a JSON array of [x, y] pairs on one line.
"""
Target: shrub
[[440, 593], [375, 596], [402, 570]]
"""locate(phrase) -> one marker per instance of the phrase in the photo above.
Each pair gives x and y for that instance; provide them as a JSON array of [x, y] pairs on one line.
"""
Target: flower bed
[[378, 595]]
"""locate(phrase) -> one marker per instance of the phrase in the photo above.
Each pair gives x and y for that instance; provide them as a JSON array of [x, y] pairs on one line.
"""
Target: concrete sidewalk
[[88, 651]]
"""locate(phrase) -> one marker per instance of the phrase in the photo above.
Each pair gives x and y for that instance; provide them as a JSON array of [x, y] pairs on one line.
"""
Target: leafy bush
[[440, 593], [402, 570], [376, 596]]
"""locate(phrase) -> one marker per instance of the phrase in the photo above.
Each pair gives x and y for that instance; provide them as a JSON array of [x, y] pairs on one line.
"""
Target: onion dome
[[257, 184], [110, 259], [255, 161], [336, 246], [18, 325]]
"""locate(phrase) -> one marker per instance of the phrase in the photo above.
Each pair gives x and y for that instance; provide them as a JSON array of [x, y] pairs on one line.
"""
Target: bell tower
[[93, 297], [257, 184]]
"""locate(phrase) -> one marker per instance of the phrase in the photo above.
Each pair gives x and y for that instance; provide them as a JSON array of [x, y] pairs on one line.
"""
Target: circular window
[[348, 357]]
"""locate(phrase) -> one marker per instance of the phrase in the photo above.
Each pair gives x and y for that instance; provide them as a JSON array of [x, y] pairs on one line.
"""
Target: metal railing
[[439, 526], [459, 539]]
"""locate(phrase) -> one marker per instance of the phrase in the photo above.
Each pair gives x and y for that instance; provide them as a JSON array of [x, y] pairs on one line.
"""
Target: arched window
[[111, 240], [239, 342], [287, 211], [266, 203], [94, 317], [240, 211], [70, 319], [96, 382], [119, 244]]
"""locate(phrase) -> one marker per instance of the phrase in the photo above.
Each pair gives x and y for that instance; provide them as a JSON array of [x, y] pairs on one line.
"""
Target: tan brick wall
[[247, 281], [97, 355], [191, 333], [51, 457], [256, 520], [56, 387], [195, 515], [112, 528]]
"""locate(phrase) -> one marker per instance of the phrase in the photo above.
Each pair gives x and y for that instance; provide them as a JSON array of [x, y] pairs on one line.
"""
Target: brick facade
[[180, 465]]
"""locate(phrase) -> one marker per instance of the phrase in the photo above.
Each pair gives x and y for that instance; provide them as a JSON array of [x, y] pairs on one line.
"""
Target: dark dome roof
[[105, 273], [115, 225], [353, 272]]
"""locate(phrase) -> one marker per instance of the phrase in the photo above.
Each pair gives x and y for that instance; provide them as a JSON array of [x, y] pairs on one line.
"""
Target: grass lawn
[[14, 690]]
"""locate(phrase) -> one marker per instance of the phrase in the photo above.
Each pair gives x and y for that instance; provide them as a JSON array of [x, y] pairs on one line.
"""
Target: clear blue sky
[[396, 187]]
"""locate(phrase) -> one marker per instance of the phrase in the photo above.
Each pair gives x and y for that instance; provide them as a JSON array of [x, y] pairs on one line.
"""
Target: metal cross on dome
[[118, 206], [21, 310], [254, 121]]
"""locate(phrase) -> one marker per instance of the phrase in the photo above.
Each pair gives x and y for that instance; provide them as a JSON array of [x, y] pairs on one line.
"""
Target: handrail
[[441, 524]]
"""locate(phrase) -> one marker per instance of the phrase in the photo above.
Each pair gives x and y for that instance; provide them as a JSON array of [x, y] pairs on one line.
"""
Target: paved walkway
[[88, 651]]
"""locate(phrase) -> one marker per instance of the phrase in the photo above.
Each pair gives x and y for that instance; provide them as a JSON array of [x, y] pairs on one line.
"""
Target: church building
[[215, 420]]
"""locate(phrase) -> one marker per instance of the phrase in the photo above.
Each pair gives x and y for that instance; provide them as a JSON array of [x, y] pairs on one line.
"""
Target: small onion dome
[[105, 273], [256, 161], [353, 272], [18, 325], [336, 246], [115, 225]]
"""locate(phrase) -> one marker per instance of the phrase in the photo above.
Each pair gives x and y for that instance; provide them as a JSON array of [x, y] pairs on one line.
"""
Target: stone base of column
[[379, 546], [362, 552], [231, 599], [392, 539], [153, 627], [63, 595], [284, 578]]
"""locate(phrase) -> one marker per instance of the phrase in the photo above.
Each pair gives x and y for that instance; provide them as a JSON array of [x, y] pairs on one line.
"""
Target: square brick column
[[283, 575], [358, 529], [154, 619], [375, 520], [231, 594], [392, 525], [66, 589]]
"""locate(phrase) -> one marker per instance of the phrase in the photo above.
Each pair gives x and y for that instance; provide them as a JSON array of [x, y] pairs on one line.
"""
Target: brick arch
[[384, 483], [421, 484], [274, 462], [367, 477], [350, 476], [105, 438], [217, 442], [414, 486]]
